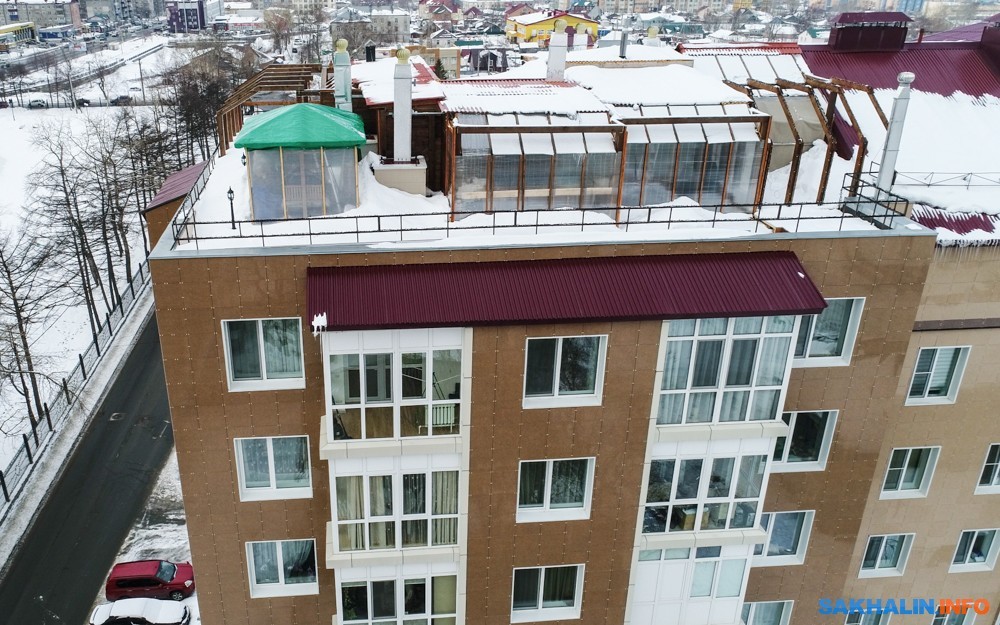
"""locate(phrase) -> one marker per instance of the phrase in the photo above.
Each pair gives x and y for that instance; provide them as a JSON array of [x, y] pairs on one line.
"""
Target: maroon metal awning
[[562, 290]]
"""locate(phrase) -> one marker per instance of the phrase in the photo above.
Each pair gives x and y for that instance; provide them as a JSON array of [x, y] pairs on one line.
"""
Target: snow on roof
[[677, 19], [541, 16], [518, 96], [632, 53], [959, 229], [669, 85], [384, 12], [376, 80]]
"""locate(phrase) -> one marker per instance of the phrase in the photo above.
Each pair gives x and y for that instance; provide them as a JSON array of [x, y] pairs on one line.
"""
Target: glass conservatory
[[302, 161]]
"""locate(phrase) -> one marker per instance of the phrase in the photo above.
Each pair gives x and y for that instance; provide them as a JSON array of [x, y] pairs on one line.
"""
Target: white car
[[141, 612]]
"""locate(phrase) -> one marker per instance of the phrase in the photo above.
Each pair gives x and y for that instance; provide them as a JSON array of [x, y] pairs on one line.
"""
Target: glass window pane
[[578, 365], [383, 599], [559, 587], [701, 581], [751, 476], [714, 516], [765, 405], [265, 562], [350, 498], [648, 555], [744, 514], [682, 517], [526, 582], [712, 327], [444, 596], [539, 374], [569, 483], [303, 182], [681, 553], [782, 323], [655, 519], [676, 364], [891, 552], [734, 406], [747, 325], [414, 376], [444, 531], [444, 494], [700, 407], [708, 358], [340, 180], [381, 495], [786, 533], [447, 374], [282, 348], [671, 409], [661, 479], [916, 465], [414, 596], [414, 493], [531, 490], [291, 462], [299, 560], [414, 533], [807, 437], [773, 361], [354, 597], [378, 378], [805, 331], [690, 477], [345, 380], [351, 536], [944, 371], [382, 535], [721, 479], [741, 360], [681, 327], [730, 578], [830, 330], [244, 350], [962, 551], [256, 468], [981, 546]]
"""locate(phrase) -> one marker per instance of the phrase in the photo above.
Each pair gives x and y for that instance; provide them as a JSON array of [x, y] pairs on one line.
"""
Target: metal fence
[[61, 400]]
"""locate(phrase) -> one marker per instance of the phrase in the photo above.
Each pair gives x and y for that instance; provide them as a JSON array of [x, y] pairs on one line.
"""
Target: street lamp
[[243, 158], [232, 212]]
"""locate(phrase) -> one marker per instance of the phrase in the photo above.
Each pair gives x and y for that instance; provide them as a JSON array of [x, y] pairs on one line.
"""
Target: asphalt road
[[66, 555]]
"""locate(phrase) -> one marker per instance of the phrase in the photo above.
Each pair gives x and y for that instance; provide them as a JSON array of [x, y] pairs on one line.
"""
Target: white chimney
[[652, 37], [894, 134], [557, 52], [342, 76], [402, 105]]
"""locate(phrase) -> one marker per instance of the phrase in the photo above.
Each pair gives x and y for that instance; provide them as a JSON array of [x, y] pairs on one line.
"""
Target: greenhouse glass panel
[[340, 180], [303, 180], [265, 184]]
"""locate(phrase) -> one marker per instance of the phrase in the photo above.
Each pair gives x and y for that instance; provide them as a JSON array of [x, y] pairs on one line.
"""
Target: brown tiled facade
[[195, 294]]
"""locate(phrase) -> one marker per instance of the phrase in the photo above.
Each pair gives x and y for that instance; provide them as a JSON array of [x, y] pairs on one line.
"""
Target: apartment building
[[594, 379]]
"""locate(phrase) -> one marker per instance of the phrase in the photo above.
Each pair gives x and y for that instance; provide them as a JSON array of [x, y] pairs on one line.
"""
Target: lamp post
[[232, 212]]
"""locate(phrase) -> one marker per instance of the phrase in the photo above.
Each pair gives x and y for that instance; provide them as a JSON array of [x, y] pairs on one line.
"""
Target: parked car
[[37, 104], [141, 612], [156, 579], [122, 100], [3, 104], [82, 102]]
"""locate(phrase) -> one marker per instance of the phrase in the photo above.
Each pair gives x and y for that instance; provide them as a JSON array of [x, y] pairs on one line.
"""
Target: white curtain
[[298, 558], [282, 348], [444, 501], [265, 562], [244, 349], [569, 483], [350, 507], [291, 462], [253, 457]]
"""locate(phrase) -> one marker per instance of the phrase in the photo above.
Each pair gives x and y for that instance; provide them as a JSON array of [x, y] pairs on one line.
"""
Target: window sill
[[929, 401], [987, 490], [978, 567], [876, 573], [766, 561], [541, 515], [275, 494], [563, 401], [825, 361], [797, 467], [903, 494], [283, 590], [706, 538], [544, 614], [289, 384], [720, 431]]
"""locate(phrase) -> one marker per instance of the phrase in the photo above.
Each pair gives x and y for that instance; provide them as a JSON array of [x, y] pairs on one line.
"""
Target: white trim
[[280, 589], [953, 385], [273, 492], [263, 384], [786, 610], [850, 338], [895, 571], [548, 614], [993, 488], [783, 466], [572, 400], [925, 483], [799, 557], [977, 567], [545, 513]]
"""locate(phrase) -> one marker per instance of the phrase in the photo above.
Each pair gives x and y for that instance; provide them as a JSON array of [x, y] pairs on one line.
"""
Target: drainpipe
[[887, 168], [402, 107], [623, 44], [557, 52], [342, 76]]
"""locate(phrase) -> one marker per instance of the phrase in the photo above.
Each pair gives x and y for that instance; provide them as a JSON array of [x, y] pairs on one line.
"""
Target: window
[[554, 490], [714, 577], [685, 495], [989, 480], [867, 619], [264, 354], [937, 375], [547, 593], [397, 511], [886, 556], [409, 601], [910, 472], [787, 538], [724, 370], [807, 446], [565, 371], [273, 468], [282, 568], [976, 551], [954, 619], [399, 384], [827, 339], [766, 613]]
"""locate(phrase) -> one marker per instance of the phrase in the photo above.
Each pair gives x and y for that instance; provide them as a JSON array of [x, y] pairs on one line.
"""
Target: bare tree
[[279, 23]]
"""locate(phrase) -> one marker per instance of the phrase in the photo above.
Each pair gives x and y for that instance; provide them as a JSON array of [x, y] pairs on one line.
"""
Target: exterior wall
[[158, 220], [43, 15], [194, 295]]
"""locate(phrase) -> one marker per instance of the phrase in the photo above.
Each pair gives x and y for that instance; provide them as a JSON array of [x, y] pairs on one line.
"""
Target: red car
[[157, 579]]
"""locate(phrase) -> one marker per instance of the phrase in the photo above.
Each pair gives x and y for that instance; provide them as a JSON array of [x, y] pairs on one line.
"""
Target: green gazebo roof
[[303, 125]]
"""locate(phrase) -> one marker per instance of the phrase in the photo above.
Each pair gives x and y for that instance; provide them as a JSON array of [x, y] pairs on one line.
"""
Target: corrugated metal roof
[[942, 68], [177, 185], [870, 17], [959, 223], [562, 290]]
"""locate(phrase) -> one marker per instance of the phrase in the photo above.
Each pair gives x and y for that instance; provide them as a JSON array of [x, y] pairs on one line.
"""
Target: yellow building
[[536, 27]]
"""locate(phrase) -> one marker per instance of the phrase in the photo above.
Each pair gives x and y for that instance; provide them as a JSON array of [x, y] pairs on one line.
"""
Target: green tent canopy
[[303, 125]]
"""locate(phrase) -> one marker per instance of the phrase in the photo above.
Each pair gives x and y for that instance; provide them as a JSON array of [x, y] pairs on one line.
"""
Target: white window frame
[[784, 466], [272, 492], [280, 589], [722, 388], [570, 400], [954, 384], [548, 614], [856, 618], [925, 482], [975, 567], [993, 485], [945, 619], [895, 571], [850, 338], [263, 384], [799, 556], [547, 513], [748, 617], [400, 596]]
